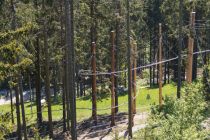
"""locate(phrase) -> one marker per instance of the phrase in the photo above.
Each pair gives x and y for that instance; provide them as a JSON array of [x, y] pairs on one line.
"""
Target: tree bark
[[47, 75], [20, 84], [70, 66], [17, 92], [11, 104], [38, 84]]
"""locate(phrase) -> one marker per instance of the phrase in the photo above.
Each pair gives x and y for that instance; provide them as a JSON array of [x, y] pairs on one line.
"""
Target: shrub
[[179, 119], [5, 124], [206, 82]]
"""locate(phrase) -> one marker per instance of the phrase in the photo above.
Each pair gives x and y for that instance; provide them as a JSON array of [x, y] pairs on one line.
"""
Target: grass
[[146, 98]]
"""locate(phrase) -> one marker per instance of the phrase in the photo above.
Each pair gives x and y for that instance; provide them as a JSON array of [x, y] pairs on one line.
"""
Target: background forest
[[46, 63]]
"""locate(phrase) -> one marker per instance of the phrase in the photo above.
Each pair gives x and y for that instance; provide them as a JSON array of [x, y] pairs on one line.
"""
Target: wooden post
[[134, 76], [160, 65], [94, 113], [113, 79], [190, 50]]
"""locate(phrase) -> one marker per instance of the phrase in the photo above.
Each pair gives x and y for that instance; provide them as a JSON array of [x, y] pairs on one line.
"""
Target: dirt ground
[[103, 131], [87, 130]]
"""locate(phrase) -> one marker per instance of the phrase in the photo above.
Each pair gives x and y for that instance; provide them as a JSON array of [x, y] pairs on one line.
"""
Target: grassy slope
[[143, 103]]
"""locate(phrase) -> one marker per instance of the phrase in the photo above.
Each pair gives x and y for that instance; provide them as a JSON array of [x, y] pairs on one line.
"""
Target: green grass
[[147, 97]]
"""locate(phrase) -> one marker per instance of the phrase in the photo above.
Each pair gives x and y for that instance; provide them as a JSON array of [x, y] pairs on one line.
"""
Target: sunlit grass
[[146, 98]]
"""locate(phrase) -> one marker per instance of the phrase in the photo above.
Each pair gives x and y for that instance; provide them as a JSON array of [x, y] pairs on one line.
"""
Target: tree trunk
[[11, 104], [118, 9], [19, 133], [17, 92], [20, 84], [55, 83], [70, 66], [47, 75], [38, 84], [64, 96], [150, 60], [195, 62]]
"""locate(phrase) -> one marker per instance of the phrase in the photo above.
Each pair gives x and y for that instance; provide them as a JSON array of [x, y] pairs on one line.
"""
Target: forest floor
[[102, 131], [86, 130]]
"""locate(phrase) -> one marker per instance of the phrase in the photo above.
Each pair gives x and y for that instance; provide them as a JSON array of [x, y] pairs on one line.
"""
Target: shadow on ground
[[86, 127]]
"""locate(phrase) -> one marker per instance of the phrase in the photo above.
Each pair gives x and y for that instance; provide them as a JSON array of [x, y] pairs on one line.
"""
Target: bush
[[206, 82], [179, 119], [5, 125]]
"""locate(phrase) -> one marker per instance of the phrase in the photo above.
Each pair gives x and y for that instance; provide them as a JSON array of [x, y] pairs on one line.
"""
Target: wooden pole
[[134, 76], [113, 79], [190, 50], [94, 105], [160, 65]]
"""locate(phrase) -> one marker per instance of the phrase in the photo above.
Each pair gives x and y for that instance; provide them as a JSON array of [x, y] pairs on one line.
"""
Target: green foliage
[[18, 33], [5, 124], [206, 81], [180, 118]]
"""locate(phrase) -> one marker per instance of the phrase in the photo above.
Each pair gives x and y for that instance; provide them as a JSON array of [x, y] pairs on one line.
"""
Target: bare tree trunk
[[67, 74], [47, 75], [55, 83], [19, 133], [17, 92], [118, 10], [38, 78], [63, 69], [72, 73], [11, 104], [20, 84], [64, 97], [38, 85]]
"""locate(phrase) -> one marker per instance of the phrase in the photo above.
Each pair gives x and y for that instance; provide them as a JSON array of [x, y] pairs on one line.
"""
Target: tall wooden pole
[[160, 65], [113, 79], [94, 105], [180, 49], [190, 50], [130, 99], [134, 76]]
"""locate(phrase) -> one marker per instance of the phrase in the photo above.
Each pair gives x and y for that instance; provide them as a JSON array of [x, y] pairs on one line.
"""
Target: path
[[102, 132]]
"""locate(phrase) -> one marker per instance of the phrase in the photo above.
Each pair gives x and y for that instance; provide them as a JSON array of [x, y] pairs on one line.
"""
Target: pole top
[[160, 24]]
